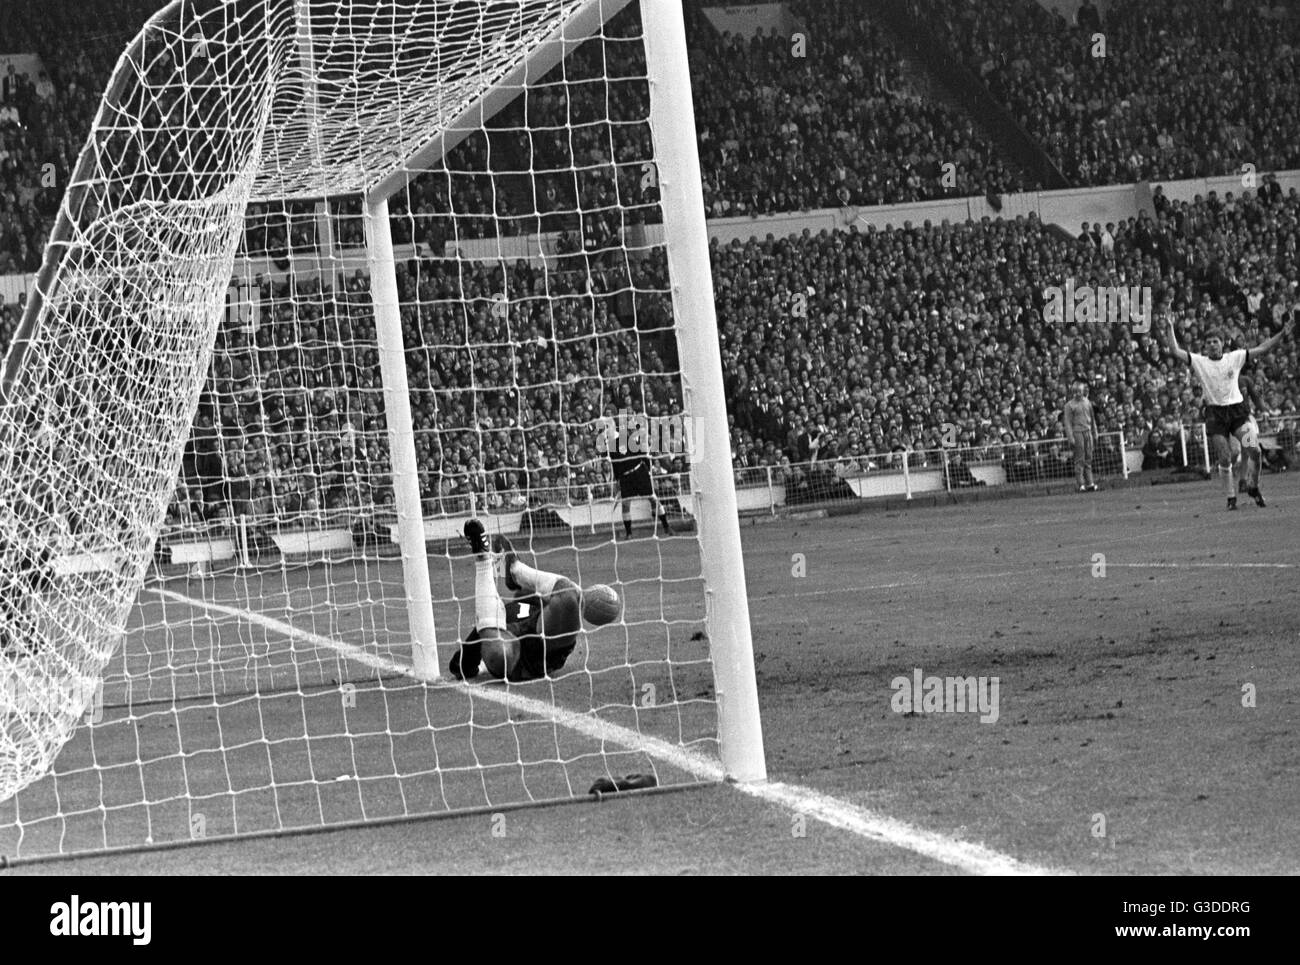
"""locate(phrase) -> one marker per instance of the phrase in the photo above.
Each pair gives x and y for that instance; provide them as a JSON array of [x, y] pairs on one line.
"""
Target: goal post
[[469, 234], [401, 435], [672, 119]]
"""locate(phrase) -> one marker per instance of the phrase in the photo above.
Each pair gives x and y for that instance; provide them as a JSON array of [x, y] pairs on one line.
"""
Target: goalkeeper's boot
[[1256, 495], [502, 546], [476, 536], [1232, 502]]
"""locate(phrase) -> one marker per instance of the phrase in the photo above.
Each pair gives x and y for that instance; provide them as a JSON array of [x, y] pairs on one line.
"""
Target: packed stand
[[840, 125], [1186, 88], [840, 347], [510, 371]]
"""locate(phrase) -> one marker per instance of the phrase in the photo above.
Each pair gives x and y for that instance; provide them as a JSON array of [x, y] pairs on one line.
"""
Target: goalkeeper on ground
[[531, 635]]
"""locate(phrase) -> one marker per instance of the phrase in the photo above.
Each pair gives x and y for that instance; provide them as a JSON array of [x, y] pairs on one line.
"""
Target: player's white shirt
[[1219, 378]]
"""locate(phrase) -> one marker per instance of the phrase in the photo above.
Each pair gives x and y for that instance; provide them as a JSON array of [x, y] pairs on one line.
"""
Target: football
[[601, 605]]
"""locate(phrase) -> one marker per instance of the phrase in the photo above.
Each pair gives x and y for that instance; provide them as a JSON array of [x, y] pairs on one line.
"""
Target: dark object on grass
[[633, 782]]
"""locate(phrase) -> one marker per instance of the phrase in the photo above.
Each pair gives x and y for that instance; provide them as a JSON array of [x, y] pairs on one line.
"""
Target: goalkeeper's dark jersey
[[539, 654]]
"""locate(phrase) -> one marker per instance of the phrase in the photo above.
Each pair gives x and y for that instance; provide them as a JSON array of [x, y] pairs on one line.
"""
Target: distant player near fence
[[1081, 431]]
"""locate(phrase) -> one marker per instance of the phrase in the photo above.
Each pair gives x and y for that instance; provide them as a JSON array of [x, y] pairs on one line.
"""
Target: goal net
[[329, 280]]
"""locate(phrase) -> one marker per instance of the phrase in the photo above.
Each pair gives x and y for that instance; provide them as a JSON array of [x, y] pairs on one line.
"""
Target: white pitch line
[[1204, 566], [973, 858]]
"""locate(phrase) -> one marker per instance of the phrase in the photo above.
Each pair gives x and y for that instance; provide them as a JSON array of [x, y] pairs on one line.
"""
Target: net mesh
[[207, 630]]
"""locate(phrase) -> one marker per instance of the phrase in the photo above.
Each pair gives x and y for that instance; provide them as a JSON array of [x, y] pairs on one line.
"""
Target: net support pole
[[1123, 455], [672, 122], [401, 439]]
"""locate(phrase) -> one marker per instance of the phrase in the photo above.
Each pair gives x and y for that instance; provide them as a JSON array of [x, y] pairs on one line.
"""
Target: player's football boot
[[1232, 502], [1256, 495], [1093, 488], [506, 549], [476, 536]]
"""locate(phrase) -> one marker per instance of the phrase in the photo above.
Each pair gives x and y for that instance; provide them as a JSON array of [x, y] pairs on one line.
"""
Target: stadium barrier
[[244, 540], [908, 473]]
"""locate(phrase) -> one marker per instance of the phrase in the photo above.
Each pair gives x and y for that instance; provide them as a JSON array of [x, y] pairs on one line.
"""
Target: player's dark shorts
[[1224, 420], [537, 656], [636, 482]]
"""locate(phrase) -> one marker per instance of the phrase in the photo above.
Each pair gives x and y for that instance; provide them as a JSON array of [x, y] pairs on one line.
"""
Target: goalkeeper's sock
[[663, 519], [489, 611], [1229, 483], [533, 580], [627, 527]]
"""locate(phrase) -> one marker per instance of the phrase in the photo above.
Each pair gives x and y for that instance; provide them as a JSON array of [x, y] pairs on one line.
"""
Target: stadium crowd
[[866, 137], [1158, 90], [855, 343], [839, 125], [293, 422], [851, 349], [855, 350]]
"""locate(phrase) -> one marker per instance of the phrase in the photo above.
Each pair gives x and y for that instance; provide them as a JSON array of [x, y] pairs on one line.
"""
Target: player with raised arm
[[1081, 431], [1226, 412], [531, 635]]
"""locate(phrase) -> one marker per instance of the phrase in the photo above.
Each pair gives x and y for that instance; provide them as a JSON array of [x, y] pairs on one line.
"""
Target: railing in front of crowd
[[911, 473], [246, 539], [1278, 435]]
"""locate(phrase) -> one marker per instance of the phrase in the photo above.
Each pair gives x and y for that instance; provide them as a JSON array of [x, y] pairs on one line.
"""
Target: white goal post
[[522, 147]]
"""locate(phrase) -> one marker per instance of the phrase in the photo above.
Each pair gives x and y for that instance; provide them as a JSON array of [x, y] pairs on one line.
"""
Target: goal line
[[834, 812]]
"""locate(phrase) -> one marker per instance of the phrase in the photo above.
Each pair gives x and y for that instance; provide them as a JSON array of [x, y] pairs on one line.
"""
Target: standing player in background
[[632, 478], [1081, 431], [1226, 411]]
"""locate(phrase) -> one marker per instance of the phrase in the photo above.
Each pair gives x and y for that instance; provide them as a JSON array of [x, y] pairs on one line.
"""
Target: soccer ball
[[600, 605]]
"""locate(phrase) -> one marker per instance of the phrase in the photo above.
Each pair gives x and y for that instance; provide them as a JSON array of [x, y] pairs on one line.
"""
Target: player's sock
[[663, 520], [533, 580], [1254, 465], [505, 549], [627, 527], [1230, 484], [489, 611]]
